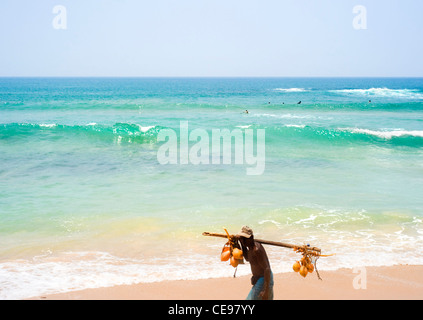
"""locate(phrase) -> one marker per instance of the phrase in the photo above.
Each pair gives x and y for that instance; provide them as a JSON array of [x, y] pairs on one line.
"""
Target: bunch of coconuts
[[304, 267], [235, 255]]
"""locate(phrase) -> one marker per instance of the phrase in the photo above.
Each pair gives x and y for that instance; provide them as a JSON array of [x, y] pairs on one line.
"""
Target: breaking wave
[[383, 92]]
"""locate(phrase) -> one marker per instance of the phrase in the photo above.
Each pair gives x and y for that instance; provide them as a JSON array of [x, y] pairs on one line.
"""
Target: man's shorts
[[258, 288]]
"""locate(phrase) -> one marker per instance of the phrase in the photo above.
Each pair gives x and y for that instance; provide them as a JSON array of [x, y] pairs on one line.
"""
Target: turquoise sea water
[[84, 201]]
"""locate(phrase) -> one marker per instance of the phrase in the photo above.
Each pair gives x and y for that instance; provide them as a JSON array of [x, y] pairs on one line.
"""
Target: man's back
[[258, 260]]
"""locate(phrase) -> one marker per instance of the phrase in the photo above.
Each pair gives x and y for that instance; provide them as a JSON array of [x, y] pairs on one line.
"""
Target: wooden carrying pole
[[271, 243]]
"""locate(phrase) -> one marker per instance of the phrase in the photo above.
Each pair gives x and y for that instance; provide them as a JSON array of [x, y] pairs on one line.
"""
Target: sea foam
[[383, 92], [291, 90], [385, 134]]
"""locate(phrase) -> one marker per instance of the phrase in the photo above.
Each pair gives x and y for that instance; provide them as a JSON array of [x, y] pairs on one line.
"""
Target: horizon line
[[220, 77]]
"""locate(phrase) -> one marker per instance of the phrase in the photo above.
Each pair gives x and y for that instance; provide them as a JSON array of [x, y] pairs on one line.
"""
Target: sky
[[211, 38]]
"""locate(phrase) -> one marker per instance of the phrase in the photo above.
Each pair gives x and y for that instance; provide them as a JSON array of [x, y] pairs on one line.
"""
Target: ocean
[[86, 203]]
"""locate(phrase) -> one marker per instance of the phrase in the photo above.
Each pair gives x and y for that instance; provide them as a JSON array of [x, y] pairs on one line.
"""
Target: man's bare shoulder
[[259, 246]]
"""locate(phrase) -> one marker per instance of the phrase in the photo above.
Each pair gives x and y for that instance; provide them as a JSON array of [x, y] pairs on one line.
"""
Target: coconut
[[297, 266], [303, 271], [234, 262], [225, 256], [237, 253]]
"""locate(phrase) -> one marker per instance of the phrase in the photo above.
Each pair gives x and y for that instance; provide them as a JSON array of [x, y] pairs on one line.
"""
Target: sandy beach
[[377, 283]]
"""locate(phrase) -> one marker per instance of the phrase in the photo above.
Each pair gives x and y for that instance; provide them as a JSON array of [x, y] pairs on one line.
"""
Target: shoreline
[[403, 282]]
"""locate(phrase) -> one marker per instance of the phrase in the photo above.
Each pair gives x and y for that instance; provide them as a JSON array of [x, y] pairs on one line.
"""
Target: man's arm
[[266, 286], [243, 247], [264, 262]]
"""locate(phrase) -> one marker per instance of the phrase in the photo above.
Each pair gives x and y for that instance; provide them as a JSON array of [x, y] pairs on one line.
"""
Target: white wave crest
[[385, 134], [285, 116], [301, 126], [288, 90], [51, 125], [383, 92], [145, 129]]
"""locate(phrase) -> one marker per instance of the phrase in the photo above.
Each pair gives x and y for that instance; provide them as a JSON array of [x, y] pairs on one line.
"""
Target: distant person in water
[[299, 102], [370, 101], [246, 111]]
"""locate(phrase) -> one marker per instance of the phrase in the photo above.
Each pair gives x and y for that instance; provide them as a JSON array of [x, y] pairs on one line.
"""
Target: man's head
[[246, 232], [246, 236]]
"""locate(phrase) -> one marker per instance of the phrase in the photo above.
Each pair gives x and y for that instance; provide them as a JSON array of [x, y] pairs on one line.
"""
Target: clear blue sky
[[211, 38]]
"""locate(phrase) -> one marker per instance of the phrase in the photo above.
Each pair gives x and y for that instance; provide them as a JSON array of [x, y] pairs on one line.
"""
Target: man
[[254, 253]]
